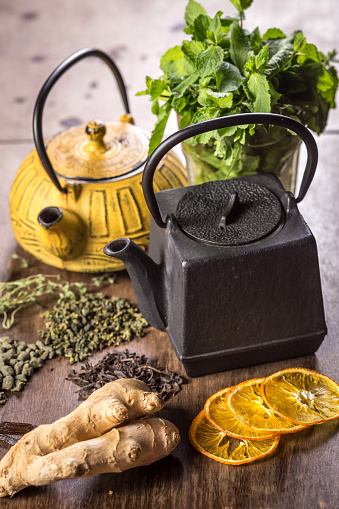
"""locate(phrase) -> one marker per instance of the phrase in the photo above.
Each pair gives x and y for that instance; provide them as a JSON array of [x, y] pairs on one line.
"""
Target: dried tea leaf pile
[[126, 365], [78, 326], [18, 361]]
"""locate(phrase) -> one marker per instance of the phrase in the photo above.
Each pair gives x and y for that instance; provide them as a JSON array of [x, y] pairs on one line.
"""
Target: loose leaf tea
[[80, 325], [18, 361], [15, 295], [125, 365]]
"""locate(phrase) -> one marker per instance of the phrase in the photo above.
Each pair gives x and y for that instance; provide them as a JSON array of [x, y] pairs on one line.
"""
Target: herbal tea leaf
[[259, 89], [241, 5], [174, 61], [181, 88], [215, 27], [240, 48], [193, 10], [158, 131], [228, 77], [277, 62], [273, 33], [261, 59], [156, 88], [193, 48], [209, 60], [299, 43], [201, 25], [221, 99]]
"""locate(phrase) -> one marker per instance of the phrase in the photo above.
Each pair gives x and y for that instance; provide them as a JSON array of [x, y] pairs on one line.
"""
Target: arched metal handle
[[46, 88], [219, 123]]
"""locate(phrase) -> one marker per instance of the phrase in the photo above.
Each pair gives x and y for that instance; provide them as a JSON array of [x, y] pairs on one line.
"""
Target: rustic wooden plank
[[303, 471]]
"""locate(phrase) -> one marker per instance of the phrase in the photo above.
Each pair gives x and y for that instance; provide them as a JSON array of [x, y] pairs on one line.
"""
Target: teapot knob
[[95, 130]]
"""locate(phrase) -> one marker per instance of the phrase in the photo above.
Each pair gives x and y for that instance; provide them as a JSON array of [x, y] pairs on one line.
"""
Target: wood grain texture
[[35, 37], [302, 472]]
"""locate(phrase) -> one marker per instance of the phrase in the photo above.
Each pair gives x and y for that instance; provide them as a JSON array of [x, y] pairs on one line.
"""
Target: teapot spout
[[62, 232], [146, 277]]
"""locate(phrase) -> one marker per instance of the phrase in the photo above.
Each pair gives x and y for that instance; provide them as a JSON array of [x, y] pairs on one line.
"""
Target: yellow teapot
[[83, 188]]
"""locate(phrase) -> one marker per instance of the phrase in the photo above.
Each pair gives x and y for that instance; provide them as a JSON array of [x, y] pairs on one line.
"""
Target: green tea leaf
[[174, 61], [240, 48], [228, 77], [273, 33], [209, 60], [193, 10], [259, 90]]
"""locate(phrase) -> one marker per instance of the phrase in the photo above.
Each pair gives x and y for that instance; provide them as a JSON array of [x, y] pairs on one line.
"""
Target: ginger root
[[86, 442]]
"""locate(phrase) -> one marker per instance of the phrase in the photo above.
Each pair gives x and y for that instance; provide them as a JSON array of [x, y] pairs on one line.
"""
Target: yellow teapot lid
[[99, 151]]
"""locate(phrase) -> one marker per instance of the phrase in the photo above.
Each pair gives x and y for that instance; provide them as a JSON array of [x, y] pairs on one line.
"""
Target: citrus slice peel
[[218, 413], [303, 396], [215, 444], [246, 402]]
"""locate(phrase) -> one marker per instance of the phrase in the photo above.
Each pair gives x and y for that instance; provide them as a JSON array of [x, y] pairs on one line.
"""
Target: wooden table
[[303, 472]]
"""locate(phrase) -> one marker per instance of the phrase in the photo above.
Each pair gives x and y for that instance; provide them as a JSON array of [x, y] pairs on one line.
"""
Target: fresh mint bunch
[[223, 69]]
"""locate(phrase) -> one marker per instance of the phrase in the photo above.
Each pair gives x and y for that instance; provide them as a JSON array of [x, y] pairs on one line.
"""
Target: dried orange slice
[[247, 404], [215, 444], [218, 413], [302, 395]]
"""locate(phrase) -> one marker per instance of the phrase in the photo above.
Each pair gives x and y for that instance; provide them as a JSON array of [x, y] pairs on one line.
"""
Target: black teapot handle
[[219, 123], [46, 88]]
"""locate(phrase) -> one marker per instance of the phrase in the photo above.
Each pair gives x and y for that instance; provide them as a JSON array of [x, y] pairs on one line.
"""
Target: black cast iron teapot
[[233, 273]]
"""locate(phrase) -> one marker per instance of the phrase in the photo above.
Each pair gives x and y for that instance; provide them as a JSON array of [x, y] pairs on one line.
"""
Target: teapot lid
[[228, 212], [99, 151]]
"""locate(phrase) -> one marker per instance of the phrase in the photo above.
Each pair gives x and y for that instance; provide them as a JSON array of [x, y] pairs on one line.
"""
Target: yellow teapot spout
[[62, 232]]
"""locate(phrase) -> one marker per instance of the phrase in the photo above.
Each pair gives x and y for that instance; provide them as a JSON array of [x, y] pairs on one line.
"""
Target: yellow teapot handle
[[46, 88]]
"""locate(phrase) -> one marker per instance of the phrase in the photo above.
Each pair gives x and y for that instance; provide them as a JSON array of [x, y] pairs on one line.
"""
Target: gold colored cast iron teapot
[[92, 191]]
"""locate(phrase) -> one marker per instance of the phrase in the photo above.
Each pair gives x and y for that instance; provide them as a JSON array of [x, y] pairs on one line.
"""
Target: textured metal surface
[[200, 211], [125, 149]]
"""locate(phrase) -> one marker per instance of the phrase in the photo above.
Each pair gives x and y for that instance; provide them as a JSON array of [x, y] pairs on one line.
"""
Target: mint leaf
[[240, 48], [261, 59], [209, 60], [220, 99], [228, 77], [174, 61], [241, 5], [275, 96], [193, 10], [258, 88], [273, 33], [299, 43], [200, 116], [156, 88], [193, 48], [284, 54], [255, 40], [215, 27], [185, 119], [201, 25], [158, 131], [181, 88]]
